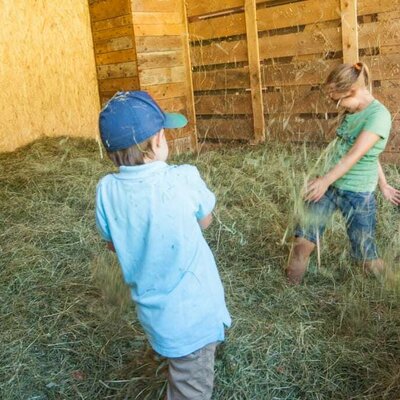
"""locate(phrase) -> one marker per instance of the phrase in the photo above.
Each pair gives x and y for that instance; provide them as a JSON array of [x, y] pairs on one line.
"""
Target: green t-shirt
[[363, 176]]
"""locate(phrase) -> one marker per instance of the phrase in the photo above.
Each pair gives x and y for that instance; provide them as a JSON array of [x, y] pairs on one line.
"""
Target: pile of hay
[[68, 330]]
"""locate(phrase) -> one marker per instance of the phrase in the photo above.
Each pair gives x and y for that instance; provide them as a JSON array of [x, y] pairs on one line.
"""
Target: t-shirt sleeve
[[204, 198], [380, 123], [101, 220]]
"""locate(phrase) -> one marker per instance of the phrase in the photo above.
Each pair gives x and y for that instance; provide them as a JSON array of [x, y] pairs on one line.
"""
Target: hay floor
[[68, 330]]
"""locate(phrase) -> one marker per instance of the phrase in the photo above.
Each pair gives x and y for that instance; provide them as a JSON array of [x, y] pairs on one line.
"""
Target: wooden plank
[[112, 33], [390, 157], [161, 59], [166, 91], [229, 78], [181, 145], [189, 81], [115, 57], [148, 44], [198, 8], [112, 23], [366, 7], [255, 72], [292, 128], [288, 15], [154, 18], [195, 7], [109, 85], [349, 31], [175, 104], [229, 25], [158, 76], [389, 16], [270, 47], [158, 30], [223, 104], [291, 74], [120, 70], [101, 9], [225, 129], [153, 6], [122, 43]]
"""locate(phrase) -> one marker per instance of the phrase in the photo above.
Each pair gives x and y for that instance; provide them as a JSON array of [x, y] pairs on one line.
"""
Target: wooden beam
[[189, 82], [255, 71], [349, 30]]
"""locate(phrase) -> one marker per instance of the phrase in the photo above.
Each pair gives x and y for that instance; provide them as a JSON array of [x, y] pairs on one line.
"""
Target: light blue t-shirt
[[150, 213]]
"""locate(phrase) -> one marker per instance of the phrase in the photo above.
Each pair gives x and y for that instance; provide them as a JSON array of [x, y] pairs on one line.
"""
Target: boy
[[151, 215]]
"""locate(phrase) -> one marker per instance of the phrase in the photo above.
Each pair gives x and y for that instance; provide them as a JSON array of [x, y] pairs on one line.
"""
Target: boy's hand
[[390, 193], [110, 246], [205, 222], [316, 189]]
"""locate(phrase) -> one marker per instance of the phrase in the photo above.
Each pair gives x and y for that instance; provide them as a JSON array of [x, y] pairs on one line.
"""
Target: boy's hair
[[133, 155], [344, 76]]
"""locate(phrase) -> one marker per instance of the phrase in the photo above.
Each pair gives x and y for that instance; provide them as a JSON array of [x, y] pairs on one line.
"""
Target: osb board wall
[[161, 36], [299, 43], [114, 46], [47, 77]]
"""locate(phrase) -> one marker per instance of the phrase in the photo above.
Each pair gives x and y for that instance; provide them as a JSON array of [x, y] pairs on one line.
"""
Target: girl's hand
[[390, 193], [316, 189]]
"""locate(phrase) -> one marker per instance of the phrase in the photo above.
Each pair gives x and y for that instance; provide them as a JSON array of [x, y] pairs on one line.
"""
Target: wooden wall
[[47, 71], [299, 42], [143, 44], [114, 47]]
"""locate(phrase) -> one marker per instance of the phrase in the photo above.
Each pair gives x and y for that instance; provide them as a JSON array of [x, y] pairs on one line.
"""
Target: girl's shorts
[[359, 211]]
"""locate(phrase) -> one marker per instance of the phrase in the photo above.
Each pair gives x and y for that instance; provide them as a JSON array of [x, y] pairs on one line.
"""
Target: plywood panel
[[48, 75]]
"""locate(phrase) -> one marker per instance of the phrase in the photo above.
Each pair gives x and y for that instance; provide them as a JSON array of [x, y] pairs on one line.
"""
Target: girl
[[350, 183]]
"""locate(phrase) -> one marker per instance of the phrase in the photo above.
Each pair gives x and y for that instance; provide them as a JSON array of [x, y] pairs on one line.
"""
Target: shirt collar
[[140, 171]]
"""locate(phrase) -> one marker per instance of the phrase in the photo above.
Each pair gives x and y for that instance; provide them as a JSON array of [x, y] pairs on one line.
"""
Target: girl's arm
[[317, 187], [389, 192]]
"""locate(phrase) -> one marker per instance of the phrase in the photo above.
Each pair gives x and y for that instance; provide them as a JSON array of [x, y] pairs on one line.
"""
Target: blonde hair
[[344, 76], [133, 155]]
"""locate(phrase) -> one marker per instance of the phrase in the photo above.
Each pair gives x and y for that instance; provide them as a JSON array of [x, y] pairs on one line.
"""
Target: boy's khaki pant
[[192, 377]]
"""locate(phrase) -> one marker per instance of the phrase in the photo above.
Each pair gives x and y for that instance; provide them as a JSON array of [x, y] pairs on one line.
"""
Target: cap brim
[[174, 120]]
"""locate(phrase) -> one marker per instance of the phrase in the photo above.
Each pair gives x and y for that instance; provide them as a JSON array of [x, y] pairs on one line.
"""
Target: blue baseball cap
[[130, 118]]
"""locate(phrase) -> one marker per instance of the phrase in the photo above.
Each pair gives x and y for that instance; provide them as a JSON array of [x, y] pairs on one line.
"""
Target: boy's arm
[[205, 222], [389, 192]]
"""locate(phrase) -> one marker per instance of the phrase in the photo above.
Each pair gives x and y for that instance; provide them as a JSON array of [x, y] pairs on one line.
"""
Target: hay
[[68, 330]]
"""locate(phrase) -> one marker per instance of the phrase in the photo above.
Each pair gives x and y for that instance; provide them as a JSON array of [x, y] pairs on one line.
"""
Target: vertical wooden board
[[255, 72], [349, 31], [101, 9]]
